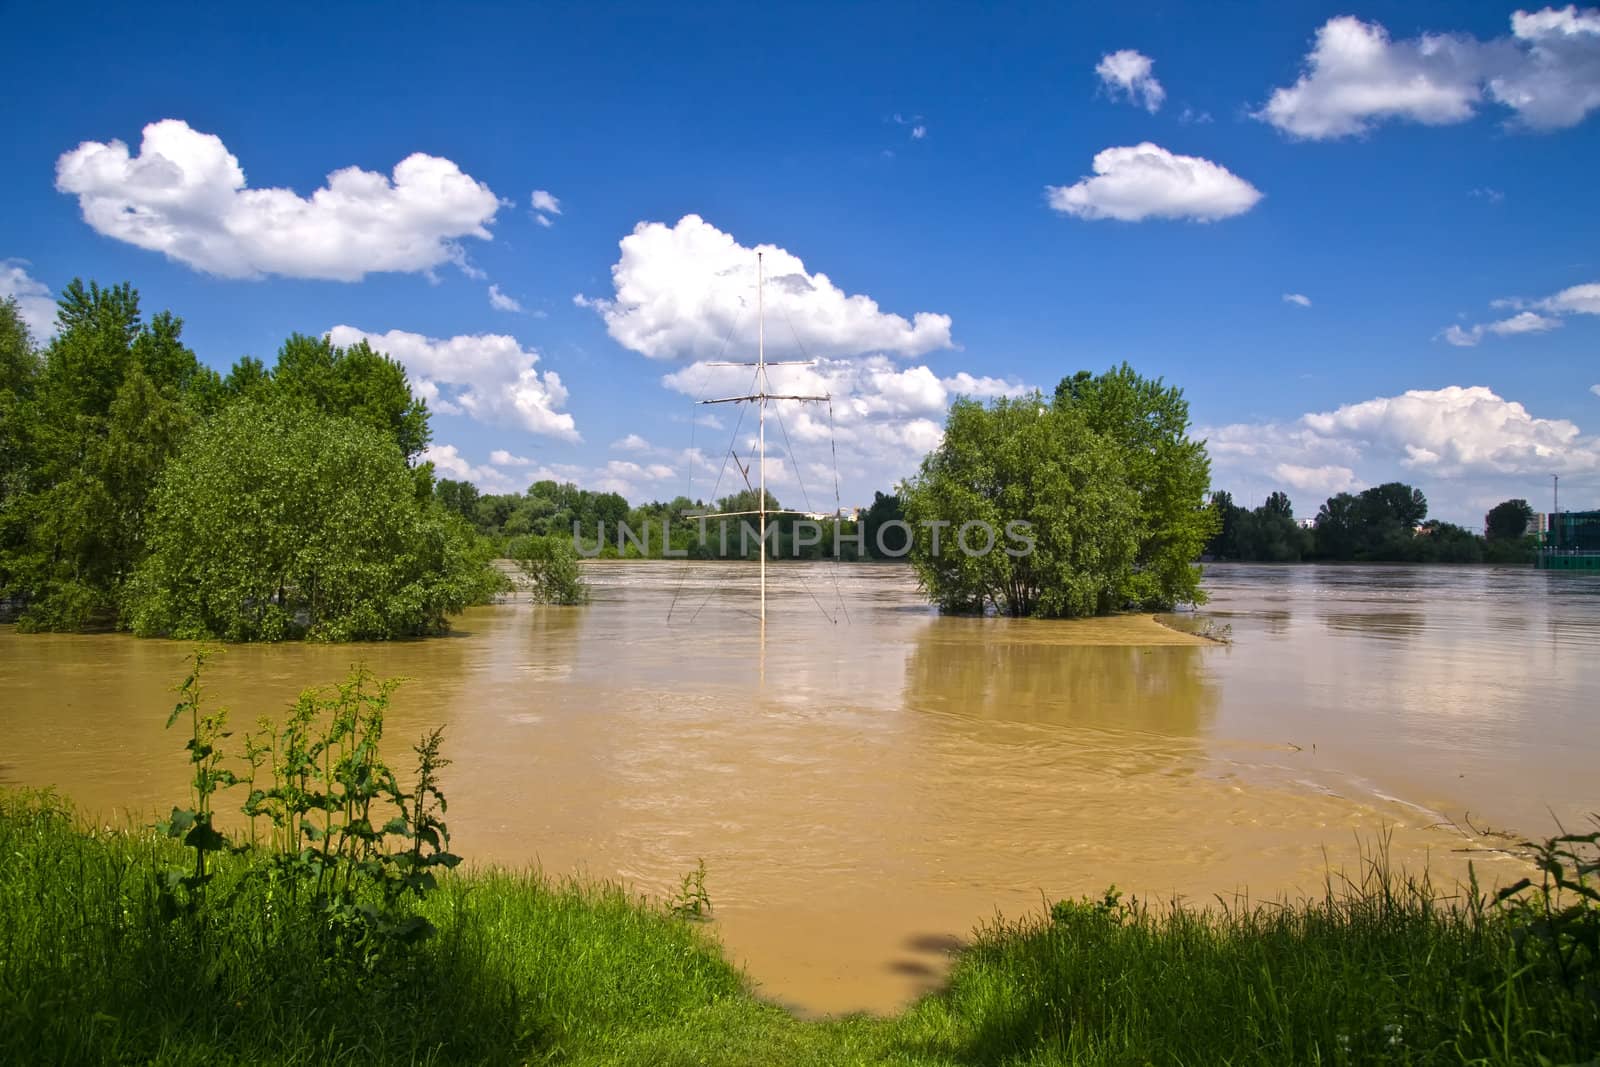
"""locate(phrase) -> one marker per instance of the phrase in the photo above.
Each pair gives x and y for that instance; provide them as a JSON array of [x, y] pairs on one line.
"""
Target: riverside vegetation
[[304, 907]]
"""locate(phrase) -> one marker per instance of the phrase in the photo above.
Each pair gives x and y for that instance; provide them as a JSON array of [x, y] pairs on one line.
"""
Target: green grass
[[524, 969]]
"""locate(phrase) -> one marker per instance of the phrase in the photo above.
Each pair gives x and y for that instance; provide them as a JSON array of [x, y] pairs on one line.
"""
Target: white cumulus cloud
[[1298, 299], [488, 376], [1547, 72], [631, 443], [1326, 480], [184, 195], [688, 290], [545, 207], [501, 302], [1466, 447], [1577, 300], [448, 462], [1148, 182], [1127, 73], [34, 302]]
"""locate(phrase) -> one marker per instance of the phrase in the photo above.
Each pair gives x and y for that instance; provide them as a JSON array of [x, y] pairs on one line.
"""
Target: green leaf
[[178, 823], [204, 838]]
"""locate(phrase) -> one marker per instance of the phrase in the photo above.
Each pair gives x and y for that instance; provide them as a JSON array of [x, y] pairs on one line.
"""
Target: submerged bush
[[549, 562], [276, 521]]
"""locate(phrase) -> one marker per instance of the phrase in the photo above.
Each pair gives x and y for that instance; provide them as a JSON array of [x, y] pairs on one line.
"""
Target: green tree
[[458, 497], [112, 401], [276, 521], [1445, 542], [1508, 520], [19, 377], [885, 508], [1224, 544], [1338, 527], [356, 382], [1269, 534], [1024, 461], [550, 564], [1147, 422], [249, 378]]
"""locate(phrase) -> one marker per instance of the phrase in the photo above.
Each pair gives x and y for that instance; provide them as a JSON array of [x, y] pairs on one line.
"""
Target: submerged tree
[[1022, 465], [357, 383], [1105, 481], [276, 521], [1147, 422], [111, 402], [549, 562]]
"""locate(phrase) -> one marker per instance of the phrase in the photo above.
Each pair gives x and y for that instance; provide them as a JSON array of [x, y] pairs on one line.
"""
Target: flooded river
[[868, 780]]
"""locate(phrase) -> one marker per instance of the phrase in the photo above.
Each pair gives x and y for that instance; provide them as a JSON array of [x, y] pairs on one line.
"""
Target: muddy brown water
[[868, 780]]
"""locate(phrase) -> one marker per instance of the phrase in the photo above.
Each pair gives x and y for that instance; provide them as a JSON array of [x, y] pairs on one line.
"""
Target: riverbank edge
[[525, 967]]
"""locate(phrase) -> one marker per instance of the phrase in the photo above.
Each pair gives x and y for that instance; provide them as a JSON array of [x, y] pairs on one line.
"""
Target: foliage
[[1508, 520], [1378, 524], [275, 522], [1148, 422], [329, 845], [1106, 478], [111, 402], [692, 901], [1382, 968], [19, 377], [1023, 461], [885, 508], [89, 425], [1557, 919], [549, 564], [1386, 523], [356, 382], [557, 509]]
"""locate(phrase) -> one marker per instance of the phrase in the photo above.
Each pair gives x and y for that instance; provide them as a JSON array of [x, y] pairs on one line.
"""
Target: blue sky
[[1404, 168]]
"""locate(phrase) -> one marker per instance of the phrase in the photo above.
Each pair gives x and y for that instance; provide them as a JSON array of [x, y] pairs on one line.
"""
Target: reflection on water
[[1001, 669], [864, 790], [1377, 623]]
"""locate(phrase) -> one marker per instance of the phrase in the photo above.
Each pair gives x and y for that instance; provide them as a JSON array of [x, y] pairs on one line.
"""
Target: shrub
[[550, 565], [277, 522]]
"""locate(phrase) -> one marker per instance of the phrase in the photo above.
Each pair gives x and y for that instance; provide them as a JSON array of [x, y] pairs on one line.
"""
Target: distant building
[[1306, 524], [848, 514], [1570, 531]]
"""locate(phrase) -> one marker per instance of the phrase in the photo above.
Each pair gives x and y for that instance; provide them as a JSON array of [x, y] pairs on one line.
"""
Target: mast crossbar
[[764, 396]]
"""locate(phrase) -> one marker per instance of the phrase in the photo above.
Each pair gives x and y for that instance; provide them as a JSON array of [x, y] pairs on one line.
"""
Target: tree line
[[1386, 523], [607, 527], [142, 490]]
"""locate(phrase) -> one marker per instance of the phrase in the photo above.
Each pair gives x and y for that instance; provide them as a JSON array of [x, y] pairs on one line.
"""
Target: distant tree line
[[140, 489], [600, 520], [1386, 523]]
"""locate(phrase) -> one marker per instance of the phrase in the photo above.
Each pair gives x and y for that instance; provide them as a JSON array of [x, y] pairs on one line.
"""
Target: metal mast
[[760, 397], [761, 383]]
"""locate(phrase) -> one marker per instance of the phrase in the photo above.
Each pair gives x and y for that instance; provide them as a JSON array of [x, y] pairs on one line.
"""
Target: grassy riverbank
[[94, 969]]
